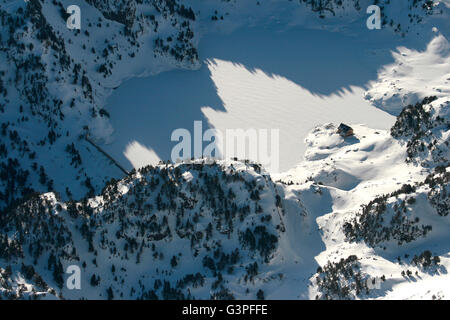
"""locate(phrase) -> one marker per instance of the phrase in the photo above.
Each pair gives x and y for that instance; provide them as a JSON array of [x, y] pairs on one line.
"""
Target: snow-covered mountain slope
[[356, 219], [192, 230], [362, 217], [54, 88], [57, 81], [413, 76], [382, 206]]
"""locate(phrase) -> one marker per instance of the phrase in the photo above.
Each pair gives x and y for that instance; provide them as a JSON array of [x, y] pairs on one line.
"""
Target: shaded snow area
[[414, 76], [256, 78], [86, 120]]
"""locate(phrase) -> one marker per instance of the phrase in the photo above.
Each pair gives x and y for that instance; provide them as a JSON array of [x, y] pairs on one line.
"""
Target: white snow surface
[[273, 66]]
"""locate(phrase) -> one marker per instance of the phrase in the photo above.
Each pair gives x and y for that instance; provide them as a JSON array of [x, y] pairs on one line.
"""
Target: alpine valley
[[85, 123]]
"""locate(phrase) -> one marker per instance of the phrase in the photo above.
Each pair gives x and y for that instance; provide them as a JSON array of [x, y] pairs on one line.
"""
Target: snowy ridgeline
[[162, 232], [360, 218]]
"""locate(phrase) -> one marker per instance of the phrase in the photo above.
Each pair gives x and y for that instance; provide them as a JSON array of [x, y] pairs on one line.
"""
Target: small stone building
[[345, 130]]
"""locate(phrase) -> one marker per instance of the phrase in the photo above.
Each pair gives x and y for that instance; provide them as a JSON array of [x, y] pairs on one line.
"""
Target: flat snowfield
[[259, 78]]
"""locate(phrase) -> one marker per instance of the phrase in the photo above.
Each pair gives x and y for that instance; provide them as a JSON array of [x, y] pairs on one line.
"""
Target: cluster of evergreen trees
[[383, 220], [159, 207], [421, 125], [341, 280]]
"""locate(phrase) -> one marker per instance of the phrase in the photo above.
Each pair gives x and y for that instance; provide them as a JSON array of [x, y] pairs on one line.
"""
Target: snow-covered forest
[[86, 178]]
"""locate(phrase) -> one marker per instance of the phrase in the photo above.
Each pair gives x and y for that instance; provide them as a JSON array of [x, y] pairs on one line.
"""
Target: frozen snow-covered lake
[[256, 78]]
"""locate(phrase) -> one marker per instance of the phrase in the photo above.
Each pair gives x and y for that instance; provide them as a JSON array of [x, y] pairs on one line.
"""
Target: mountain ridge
[[362, 217]]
